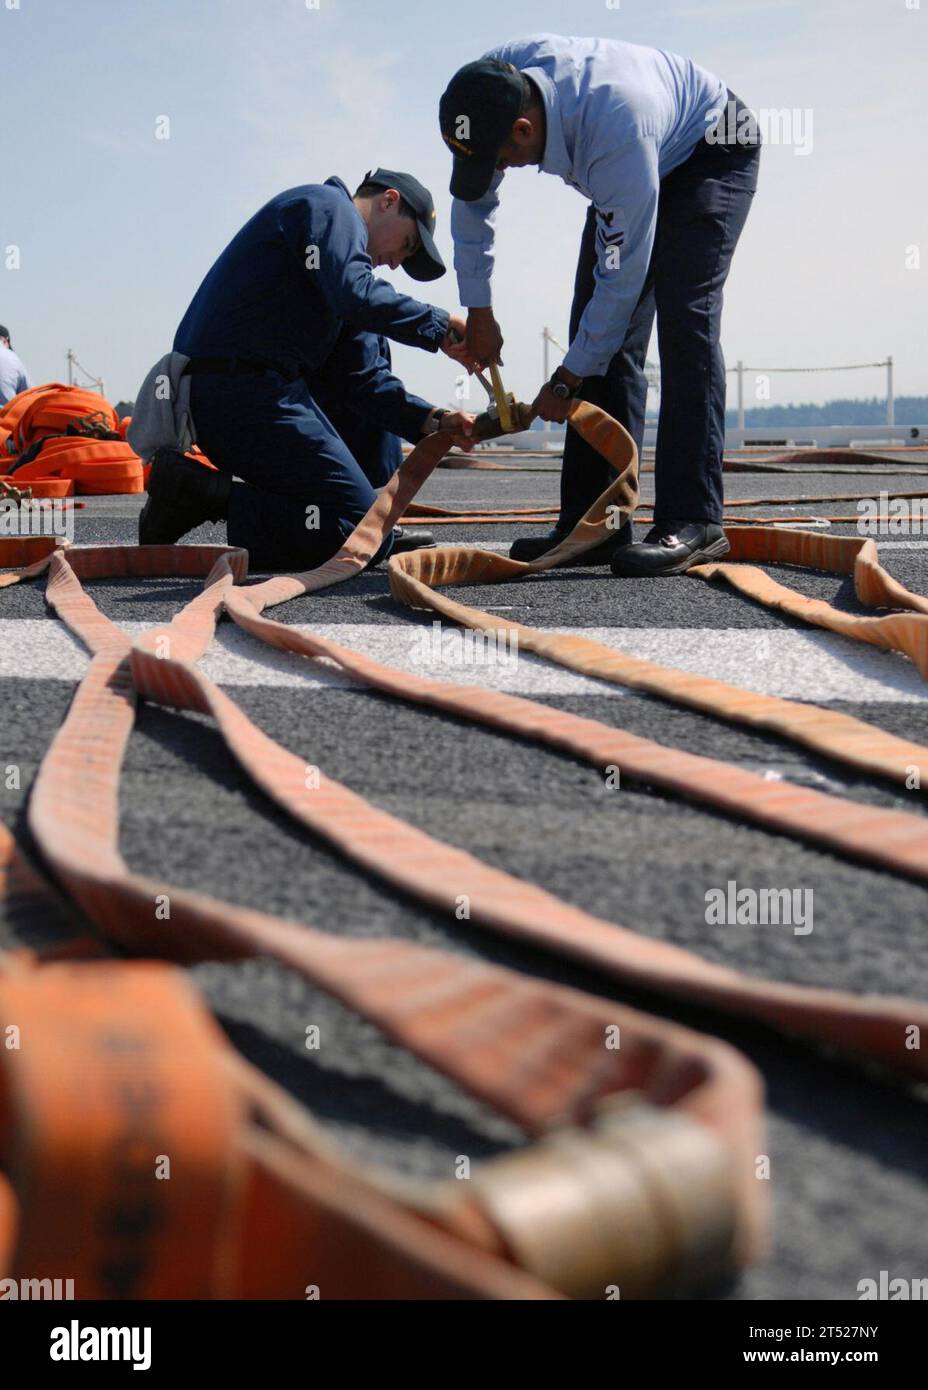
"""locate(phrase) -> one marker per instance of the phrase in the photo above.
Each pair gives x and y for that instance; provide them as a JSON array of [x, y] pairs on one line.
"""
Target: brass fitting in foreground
[[640, 1204]]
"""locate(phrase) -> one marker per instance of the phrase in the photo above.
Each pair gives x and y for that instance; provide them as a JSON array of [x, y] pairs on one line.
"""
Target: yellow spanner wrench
[[500, 397], [498, 394]]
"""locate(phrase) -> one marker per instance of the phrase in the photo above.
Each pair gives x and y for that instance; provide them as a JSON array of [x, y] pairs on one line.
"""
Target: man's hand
[[454, 344], [459, 424], [484, 339], [548, 406]]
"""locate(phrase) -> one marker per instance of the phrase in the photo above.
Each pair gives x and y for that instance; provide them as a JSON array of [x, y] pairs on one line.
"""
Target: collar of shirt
[[556, 158], [336, 182]]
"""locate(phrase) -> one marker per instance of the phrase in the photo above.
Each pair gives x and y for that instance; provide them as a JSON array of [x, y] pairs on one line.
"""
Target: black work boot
[[531, 547], [182, 494], [411, 540], [404, 540], [671, 547]]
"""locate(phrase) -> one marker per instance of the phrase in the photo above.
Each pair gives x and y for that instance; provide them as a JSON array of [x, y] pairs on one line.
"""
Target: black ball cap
[[426, 263], [476, 114], [4, 332]]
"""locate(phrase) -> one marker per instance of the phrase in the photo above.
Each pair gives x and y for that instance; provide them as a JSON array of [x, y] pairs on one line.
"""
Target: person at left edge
[[292, 397], [13, 375]]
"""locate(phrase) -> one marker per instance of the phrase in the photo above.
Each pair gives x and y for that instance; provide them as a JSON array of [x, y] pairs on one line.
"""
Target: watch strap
[[562, 388]]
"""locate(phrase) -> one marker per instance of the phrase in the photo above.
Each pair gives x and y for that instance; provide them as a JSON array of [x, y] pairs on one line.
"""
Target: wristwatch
[[560, 387], [435, 422]]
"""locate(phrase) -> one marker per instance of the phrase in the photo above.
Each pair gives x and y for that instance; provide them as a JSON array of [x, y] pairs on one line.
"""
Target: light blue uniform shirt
[[13, 375], [619, 118]]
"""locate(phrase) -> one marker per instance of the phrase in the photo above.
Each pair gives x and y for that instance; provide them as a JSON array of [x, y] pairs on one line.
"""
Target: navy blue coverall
[[320, 428]]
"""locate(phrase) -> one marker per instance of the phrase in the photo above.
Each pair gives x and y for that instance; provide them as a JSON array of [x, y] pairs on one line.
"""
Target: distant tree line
[[909, 410]]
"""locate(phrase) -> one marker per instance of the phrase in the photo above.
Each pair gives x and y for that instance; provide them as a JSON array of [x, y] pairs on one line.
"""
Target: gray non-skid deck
[[847, 1147]]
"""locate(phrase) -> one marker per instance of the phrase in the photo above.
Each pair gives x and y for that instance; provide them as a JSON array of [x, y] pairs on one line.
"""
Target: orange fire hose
[[674, 1164]]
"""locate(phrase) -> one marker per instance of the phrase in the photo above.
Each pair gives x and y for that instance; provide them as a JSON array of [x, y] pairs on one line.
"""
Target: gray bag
[[161, 416]]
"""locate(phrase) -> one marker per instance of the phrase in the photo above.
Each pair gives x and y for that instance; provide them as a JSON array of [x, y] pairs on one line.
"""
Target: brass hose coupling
[[489, 426], [639, 1205], [504, 415]]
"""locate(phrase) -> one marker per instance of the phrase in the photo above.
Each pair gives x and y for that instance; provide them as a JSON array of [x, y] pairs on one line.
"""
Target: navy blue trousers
[[702, 209], [309, 468]]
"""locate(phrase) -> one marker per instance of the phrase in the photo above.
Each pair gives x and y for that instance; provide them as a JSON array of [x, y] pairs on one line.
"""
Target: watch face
[[560, 388]]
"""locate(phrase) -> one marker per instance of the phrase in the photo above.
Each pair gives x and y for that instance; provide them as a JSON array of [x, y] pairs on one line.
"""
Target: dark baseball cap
[[4, 332], [426, 263], [476, 114]]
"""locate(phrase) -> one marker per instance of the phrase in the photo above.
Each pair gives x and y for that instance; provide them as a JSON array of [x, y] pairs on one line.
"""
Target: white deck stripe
[[797, 665]]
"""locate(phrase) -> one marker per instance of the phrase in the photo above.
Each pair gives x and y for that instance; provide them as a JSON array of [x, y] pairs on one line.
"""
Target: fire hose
[[641, 1175]]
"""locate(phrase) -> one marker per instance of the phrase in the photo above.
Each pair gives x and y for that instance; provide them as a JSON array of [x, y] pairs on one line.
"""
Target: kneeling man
[[292, 396]]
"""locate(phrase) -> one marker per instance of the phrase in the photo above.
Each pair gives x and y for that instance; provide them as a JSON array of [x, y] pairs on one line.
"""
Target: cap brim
[[426, 263], [470, 178]]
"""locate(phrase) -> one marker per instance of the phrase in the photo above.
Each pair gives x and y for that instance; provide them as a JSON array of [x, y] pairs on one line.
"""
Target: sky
[[106, 229]]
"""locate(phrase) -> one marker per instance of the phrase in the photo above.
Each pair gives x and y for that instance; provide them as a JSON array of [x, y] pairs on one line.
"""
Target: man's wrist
[[565, 384], [433, 420], [442, 327]]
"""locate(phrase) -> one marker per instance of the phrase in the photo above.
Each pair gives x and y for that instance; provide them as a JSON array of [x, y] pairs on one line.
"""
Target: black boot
[[404, 540], [411, 540], [671, 548], [182, 494], [531, 547]]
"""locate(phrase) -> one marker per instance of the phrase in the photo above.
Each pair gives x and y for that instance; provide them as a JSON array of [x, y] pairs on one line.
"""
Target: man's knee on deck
[[285, 532]]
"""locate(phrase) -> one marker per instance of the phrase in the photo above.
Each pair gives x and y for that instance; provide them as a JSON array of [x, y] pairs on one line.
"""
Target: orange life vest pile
[[63, 441]]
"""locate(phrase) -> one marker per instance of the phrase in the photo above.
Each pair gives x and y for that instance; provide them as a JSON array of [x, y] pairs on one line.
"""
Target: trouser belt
[[228, 366]]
